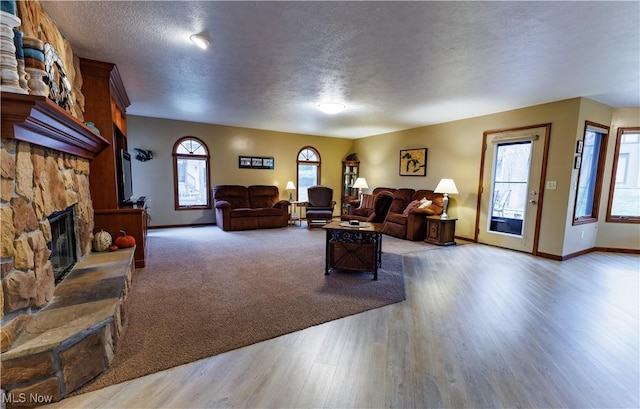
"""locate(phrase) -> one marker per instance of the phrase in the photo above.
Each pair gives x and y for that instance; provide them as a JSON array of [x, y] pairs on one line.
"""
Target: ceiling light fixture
[[201, 40], [331, 107]]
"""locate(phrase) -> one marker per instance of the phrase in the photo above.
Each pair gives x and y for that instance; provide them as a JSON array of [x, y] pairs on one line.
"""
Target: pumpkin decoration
[[102, 240], [124, 240]]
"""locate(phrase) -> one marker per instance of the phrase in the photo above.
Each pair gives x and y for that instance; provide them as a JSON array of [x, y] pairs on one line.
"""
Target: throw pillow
[[424, 203], [366, 202], [410, 207]]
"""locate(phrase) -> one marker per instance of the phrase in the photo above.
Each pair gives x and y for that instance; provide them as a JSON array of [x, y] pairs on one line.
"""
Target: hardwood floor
[[482, 327]]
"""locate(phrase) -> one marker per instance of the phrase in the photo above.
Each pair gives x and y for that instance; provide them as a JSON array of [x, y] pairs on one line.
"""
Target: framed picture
[[577, 162], [579, 146], [244, 162], [267, 163], [255, 162], [413, 162]]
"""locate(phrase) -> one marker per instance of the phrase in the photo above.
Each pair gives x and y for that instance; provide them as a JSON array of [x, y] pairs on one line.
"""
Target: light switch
[[552, 184]]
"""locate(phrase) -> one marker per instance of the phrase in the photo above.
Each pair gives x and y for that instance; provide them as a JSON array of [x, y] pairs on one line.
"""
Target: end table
[[441, 231]]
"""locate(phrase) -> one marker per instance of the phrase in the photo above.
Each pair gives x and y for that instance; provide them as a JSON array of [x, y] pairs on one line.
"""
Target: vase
[[9, 78], [22, 74], [34, 66]]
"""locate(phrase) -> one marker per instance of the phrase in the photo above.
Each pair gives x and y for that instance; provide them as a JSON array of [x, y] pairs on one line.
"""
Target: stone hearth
[[71, 340]]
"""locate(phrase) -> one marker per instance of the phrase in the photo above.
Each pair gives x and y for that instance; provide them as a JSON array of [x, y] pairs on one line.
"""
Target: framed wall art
[[413, 162], [256, 162]]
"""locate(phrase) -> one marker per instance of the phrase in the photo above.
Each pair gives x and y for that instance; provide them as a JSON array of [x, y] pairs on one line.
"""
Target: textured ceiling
[[395, 65]]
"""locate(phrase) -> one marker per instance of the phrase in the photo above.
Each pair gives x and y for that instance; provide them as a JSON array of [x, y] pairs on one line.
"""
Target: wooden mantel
[[40, 121]]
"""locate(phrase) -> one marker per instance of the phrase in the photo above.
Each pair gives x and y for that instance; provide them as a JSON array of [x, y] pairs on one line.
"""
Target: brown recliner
[[411, 224], [319, 206], [382, 198]]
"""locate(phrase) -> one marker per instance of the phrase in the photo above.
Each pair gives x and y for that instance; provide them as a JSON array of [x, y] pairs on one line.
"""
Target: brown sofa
[[247, 208], [411, 224], [382, 198]]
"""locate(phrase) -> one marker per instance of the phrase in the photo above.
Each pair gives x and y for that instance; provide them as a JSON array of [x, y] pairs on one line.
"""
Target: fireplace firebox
[[63, 242]]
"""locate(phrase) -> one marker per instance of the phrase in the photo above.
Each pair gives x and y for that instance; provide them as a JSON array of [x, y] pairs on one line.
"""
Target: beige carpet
[[205, 291]]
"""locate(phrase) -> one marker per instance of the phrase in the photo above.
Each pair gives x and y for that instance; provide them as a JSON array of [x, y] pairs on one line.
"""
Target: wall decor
[[256, 162], [143, 155], [413, 162]]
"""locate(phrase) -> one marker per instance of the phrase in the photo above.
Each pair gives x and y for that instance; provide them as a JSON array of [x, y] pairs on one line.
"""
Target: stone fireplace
[[36, 183]]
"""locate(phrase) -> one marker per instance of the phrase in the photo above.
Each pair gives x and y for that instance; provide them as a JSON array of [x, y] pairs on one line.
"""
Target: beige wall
[[454, 151], [154, 178], [584, 236]]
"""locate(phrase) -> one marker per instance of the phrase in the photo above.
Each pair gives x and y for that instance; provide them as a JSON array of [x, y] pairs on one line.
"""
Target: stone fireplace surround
[[53, 339], [36, 182]]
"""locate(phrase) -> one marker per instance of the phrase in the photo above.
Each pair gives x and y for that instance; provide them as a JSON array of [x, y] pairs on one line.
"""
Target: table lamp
[[445, 187], [360, 183], [290, 187]]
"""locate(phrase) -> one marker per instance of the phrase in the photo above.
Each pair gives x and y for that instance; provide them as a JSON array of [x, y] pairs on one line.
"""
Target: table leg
[[378, 256], [326, 256]]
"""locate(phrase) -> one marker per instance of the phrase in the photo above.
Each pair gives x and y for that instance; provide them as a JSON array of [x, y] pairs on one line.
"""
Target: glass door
[[510, 188]]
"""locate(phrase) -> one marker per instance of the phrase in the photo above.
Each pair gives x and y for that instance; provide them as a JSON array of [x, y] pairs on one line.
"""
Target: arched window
[[308, 171], [191, 174]]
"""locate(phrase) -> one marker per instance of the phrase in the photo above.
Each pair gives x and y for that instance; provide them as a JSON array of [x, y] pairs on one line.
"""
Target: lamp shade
[[290, 185], [446, 186], [361, 183]]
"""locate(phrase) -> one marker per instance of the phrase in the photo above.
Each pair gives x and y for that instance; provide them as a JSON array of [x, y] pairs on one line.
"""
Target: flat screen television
[[125, 183]]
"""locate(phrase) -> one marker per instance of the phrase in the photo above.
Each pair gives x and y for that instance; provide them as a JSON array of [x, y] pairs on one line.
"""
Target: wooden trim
[[616, 250], [108, 70], [587, 251], [483, 155], [541, 188], [170, 226], [597, 189], [549, 256], [40, 121], [206, 158]]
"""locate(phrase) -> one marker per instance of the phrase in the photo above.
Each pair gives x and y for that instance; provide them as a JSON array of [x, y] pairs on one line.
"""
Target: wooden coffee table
[[353, 248]]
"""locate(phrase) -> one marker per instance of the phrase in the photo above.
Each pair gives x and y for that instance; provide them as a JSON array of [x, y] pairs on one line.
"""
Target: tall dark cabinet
[[106, 102], [350, 172]]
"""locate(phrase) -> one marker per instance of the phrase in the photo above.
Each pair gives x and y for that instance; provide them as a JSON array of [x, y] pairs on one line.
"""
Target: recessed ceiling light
[[201, 40], [331, 107]]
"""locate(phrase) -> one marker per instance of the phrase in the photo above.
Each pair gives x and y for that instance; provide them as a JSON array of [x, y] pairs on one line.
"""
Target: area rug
[[205, 291]]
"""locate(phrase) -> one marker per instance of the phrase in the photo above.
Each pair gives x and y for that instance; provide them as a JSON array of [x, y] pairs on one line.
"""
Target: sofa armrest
[[422, 212], [282, 204], [222, 204]]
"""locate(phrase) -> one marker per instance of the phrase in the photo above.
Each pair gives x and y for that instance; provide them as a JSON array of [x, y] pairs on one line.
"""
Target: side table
[[296, 212], [441, 231]]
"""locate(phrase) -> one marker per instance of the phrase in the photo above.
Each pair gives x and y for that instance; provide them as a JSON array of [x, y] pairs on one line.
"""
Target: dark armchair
[[320, 205], [376, 211]]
